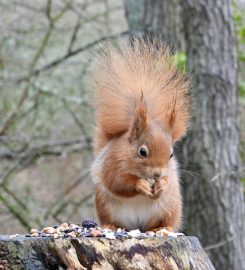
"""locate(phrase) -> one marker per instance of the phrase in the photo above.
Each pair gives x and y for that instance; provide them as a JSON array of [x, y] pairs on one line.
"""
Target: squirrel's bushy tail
[[126, 73]]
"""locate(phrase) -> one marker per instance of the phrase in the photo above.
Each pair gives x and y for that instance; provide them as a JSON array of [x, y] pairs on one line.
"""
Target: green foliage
[[180, 59], [239, 19], [242, 151], [240, 26], [243, 181], [242, 91]]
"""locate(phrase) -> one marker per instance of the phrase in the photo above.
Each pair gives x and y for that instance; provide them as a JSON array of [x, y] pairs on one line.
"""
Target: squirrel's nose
[[156, 174]]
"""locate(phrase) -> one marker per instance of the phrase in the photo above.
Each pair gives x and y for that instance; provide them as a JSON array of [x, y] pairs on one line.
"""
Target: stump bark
[[100, 253]]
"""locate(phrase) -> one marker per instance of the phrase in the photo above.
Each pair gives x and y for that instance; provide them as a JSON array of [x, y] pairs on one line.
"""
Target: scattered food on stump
[[87, 246], [89, 228]]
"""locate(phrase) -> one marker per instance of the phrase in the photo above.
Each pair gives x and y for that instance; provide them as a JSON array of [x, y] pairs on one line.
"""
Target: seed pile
[[89, 228]]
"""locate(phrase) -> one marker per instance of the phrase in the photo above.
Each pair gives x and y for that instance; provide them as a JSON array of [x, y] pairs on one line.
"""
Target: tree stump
[[41, 253]]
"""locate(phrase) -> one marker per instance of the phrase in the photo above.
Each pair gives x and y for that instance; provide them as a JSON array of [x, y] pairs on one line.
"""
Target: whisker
[[189, 172], [185, 172], [189, 164]]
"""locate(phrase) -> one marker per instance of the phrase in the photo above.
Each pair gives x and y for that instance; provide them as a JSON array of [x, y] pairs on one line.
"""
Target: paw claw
[[144, 188]]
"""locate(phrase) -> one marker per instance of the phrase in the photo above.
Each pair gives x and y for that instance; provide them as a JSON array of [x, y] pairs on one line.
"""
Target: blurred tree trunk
[[214, 199], [158, 17], [213, 194]]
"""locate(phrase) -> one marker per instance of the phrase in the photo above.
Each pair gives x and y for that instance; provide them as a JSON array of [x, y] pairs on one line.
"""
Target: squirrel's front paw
[[143, 187], [159, 188]]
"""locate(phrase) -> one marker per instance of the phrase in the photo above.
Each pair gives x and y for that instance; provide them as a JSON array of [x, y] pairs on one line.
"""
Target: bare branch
[[218, 245], [71, 54], [62, 12], [79, 124], [11, 117], [66, 203], [77, 204], [71, 187], [55, 94], [47, 149], [15, 197], [48, 9], [74, 36], [15, 211]]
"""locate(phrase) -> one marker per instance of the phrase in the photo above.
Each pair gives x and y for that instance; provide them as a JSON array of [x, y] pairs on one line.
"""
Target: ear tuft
[[177, 115], [140, 121]]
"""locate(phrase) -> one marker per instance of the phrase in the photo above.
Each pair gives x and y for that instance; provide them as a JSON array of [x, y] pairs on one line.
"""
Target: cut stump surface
[[100, 253]]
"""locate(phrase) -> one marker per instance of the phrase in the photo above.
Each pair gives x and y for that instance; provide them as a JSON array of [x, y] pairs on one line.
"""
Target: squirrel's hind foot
[[110, 227]]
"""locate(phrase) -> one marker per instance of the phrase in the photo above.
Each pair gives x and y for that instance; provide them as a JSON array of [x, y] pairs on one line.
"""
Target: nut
[[34, 231], [55, 235], [150, 233], [49, 230], [95, 233], [64, 225], [72, 234], [162, 232]]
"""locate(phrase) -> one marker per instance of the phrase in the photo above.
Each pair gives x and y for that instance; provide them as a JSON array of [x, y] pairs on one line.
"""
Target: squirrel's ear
[[172, 126], [139, 122], [177, 123]]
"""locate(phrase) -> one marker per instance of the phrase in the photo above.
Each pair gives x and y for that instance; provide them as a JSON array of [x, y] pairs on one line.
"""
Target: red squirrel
[[142, 108]]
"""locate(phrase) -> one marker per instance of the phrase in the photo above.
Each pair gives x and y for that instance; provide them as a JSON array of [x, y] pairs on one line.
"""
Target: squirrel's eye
[[143, 151], [171, 155]]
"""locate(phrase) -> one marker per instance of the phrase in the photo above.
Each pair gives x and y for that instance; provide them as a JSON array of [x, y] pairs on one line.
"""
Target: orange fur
[[141, 100]]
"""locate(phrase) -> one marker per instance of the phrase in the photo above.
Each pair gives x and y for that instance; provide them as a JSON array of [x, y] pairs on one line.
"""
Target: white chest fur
[[136, 212]]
